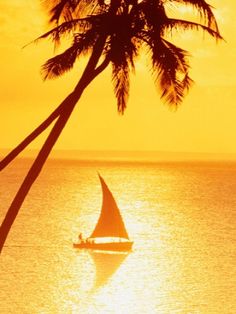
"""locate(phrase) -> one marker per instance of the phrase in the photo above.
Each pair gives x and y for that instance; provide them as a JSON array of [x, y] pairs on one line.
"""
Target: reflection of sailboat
[[110, 232], [106, 265]]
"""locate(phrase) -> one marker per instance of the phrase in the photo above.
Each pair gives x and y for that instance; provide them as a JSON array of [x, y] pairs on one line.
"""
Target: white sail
[[110, 222]]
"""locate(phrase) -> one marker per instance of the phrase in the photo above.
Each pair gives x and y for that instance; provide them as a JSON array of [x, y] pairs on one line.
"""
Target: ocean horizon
[[126, 155]]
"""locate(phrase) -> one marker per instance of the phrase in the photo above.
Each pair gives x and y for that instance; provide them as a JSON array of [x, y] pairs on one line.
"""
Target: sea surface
[[180, 215]]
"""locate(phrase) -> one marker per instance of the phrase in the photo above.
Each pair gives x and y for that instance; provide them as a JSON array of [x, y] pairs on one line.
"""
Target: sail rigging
[[110, 222]]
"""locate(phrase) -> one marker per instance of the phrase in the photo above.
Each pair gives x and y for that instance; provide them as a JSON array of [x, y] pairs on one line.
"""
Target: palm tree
[[111, 33]]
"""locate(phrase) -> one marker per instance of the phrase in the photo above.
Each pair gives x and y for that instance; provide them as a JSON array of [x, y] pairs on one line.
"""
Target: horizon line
[[127, 155]]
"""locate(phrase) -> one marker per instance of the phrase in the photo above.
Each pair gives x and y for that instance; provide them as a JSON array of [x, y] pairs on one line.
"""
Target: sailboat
[[110, 233]]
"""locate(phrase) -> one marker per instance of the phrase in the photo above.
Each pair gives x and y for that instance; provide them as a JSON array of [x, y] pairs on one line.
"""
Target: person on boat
[[81, 237]]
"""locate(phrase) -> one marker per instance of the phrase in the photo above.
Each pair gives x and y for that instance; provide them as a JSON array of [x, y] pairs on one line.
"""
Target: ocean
[[180, 215]]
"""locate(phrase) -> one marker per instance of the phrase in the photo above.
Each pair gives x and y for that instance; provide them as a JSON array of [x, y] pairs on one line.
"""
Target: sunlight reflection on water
[[180, 216]]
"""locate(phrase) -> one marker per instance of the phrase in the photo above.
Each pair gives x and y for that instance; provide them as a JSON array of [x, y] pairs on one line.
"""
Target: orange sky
[[205, 122]]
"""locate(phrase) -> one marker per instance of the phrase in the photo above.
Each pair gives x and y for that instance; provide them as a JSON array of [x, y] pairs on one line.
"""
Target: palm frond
[[120, 78], [65, 10], [171, 67], [205, 11], [59, 64], [177, 24], [180, 55], [174, 92], [64, 62], [65, 28]]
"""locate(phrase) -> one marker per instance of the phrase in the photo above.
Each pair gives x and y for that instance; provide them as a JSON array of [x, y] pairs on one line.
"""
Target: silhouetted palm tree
[[111, 33]]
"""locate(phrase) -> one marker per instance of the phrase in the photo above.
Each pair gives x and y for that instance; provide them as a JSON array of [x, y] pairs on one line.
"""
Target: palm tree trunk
[[42, 127], [35, 169], [69, 103]]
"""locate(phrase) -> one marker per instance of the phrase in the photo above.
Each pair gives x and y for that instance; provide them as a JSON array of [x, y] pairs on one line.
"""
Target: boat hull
[[108, 246]]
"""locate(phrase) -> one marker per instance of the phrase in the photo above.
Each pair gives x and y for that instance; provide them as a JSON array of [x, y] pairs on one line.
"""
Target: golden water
[[181, 217]]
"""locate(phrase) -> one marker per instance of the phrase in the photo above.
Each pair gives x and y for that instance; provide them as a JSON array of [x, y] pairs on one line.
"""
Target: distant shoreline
[[128, 156]]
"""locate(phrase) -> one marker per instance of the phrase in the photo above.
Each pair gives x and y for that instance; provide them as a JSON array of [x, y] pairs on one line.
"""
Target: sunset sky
[[205, 122]]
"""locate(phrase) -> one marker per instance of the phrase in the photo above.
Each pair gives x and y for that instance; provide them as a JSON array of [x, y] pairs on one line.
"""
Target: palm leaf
[[65, 10], [171, 68], [64, 62], [59, 64], [205, 11], [65, 28], [120, 78], [171, 24]]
